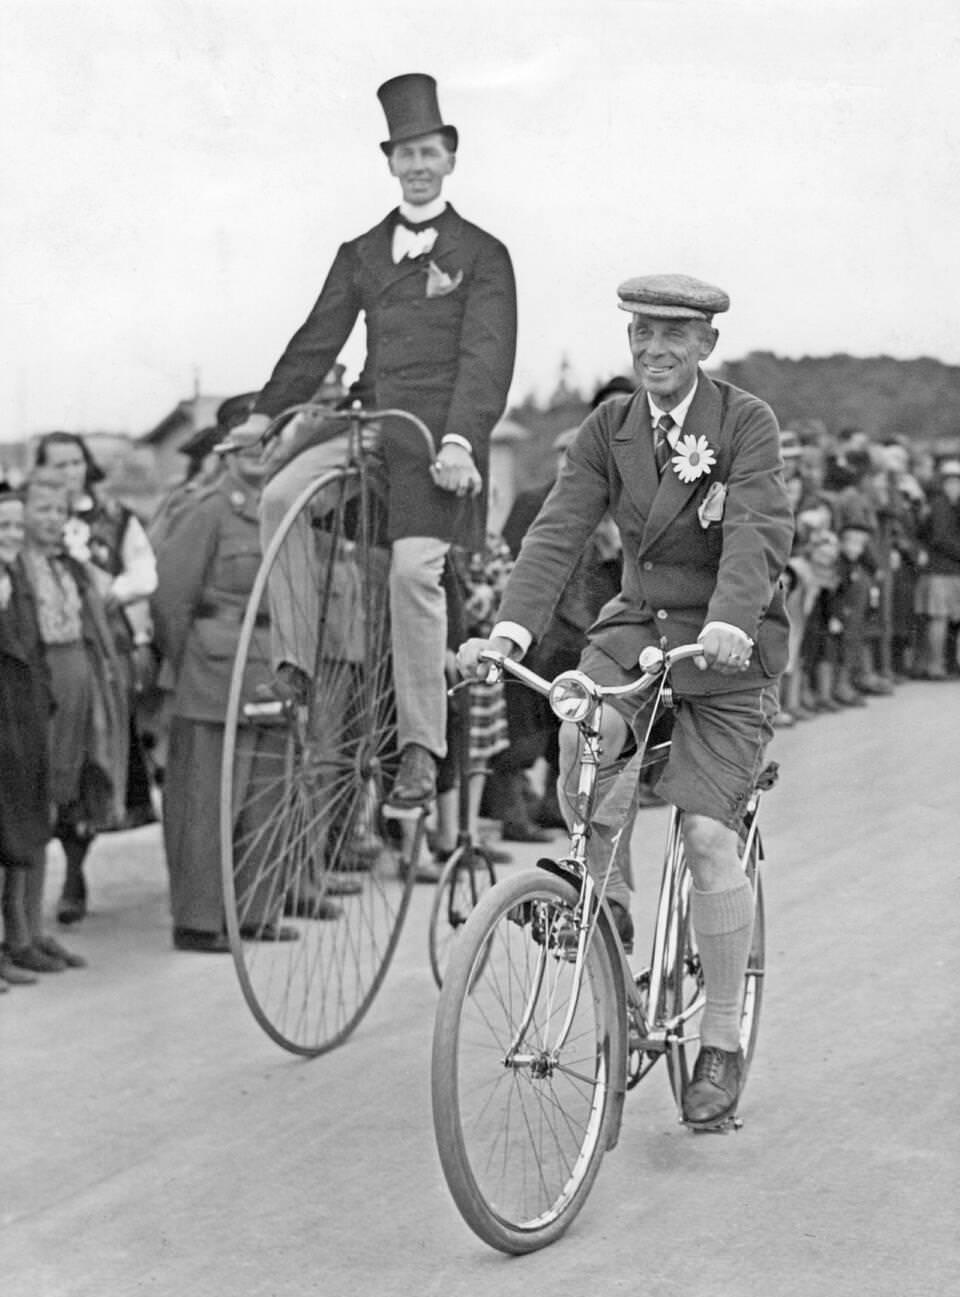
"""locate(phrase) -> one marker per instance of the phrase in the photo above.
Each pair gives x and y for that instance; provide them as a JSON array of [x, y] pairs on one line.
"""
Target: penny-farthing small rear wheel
[[313, 898]]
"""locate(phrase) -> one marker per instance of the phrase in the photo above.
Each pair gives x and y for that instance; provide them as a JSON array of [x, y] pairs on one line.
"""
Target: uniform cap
[[678, 297]]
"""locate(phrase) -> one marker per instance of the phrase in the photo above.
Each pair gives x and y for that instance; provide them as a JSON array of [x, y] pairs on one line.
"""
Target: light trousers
[[418, 607]]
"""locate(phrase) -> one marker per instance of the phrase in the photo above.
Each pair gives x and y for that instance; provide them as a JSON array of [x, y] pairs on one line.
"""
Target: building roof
[[185, 418]]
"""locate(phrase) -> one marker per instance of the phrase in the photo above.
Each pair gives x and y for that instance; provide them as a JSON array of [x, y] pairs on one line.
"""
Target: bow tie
[[412, 241]]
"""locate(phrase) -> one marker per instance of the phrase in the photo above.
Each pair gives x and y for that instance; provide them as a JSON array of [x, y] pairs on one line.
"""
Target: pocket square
[[711, 506], [439, 283]]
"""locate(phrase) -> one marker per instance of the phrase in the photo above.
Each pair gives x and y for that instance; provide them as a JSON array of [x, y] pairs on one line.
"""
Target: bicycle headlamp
[[572, 696]]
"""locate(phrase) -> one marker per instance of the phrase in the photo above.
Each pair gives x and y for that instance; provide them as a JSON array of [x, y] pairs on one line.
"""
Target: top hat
[[410, 104]]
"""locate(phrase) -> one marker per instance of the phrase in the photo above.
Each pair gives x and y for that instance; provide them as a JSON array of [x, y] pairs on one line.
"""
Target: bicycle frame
[[662, 1034]]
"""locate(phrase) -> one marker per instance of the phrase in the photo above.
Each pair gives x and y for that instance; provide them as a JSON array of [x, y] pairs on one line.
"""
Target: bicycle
[[541, 1026], [469, 872], [304, 782]]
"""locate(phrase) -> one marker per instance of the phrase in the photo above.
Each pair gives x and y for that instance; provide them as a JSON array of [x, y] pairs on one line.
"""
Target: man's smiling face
[[667, 354]]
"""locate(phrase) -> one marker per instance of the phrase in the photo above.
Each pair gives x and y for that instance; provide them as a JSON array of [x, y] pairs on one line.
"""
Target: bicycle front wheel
[[684, 978], [522, 1114], [313, 898], [467, 875]]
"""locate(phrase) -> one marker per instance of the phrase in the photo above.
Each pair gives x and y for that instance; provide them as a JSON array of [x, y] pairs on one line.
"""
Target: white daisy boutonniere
[[693, 459], [76, 539]]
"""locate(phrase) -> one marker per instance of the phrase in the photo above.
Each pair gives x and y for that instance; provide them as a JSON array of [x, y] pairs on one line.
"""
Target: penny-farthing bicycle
[[314, 886]]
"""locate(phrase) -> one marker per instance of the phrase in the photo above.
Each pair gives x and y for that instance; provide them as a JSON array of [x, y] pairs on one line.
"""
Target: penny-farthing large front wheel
[[313, 896]]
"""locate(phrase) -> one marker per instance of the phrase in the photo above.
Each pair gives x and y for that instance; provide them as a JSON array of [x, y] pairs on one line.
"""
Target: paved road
[[155, 1141]]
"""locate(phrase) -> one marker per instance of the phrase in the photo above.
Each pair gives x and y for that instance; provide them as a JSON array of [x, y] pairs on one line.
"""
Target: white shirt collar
[[427, 212], [678, 414]]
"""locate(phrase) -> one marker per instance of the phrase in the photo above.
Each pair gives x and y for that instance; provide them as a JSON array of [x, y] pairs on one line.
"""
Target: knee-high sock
[[723, 925]]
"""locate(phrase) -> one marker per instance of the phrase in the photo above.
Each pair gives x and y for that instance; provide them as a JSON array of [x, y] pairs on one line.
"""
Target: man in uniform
[[690, 470], [439, 299]]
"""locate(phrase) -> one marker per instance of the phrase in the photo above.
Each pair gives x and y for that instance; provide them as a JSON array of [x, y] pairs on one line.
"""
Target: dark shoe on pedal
[[205, 943], [416, 781], [714, 1089], [524, 831]]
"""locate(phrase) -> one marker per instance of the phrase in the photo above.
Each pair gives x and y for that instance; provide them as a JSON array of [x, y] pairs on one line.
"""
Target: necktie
[[662, 450]]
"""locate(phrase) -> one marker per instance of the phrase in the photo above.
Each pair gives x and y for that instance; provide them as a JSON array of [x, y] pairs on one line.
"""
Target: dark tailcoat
[[447, 358], [677, 574], [25, 705]]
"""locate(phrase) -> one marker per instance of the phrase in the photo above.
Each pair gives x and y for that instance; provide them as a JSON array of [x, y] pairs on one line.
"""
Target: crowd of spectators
[[107, 680], [874, 578]]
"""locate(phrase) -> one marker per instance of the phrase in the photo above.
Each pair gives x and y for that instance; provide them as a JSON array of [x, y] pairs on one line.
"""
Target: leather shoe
[[208, 943], [312, 905], [269, 932], [15, 976], [416, 781], [847, 696], [50, 946], [34, 960], [425, 871], [523, 831], [71, 909], [714, 1089]]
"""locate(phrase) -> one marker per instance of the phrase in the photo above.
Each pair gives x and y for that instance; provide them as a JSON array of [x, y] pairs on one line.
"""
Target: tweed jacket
[[441, 338], [681, 569], [206, 566]]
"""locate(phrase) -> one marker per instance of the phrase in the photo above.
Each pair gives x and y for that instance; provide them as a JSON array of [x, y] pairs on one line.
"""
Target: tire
[[467, 875], [303, 782], [520, 1145], [685, 987]]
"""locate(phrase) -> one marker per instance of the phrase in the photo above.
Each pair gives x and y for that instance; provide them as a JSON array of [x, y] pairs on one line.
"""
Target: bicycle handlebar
[[337, 419], [655, 664]]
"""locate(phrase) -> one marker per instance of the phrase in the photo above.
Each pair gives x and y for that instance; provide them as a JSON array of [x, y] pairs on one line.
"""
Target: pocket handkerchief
[[711, 506], [439, 283]]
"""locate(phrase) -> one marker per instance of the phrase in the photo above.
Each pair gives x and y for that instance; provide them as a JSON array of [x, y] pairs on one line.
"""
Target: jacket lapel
[[376, 249], [632, 446], [703, 420]]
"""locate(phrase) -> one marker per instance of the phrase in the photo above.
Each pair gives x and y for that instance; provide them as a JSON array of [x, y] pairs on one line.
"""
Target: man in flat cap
[[439, 300], [690, 469]]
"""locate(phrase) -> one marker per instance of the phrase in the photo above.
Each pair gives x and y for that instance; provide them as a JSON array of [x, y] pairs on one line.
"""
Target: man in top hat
[[690, 469], [439, 300]]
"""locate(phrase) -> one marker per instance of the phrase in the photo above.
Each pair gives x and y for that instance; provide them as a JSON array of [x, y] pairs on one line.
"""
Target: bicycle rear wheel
[[467, 875], [522, 1124], [303, 779], [684, 979]]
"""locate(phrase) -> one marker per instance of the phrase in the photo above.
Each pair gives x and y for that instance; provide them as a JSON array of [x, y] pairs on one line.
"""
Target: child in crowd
[[25, 705]]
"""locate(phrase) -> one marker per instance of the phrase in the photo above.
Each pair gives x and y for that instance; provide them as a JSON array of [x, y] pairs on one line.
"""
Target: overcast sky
[[179, 173]]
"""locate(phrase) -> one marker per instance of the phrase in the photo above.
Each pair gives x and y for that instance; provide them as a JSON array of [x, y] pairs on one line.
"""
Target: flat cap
[[950, 468], [678, 297]]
